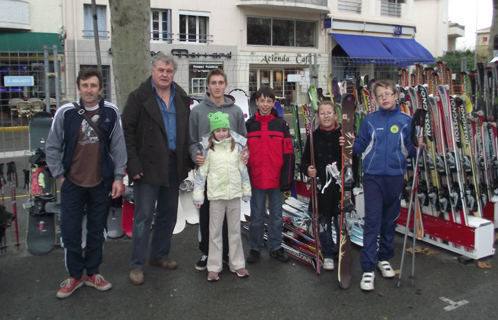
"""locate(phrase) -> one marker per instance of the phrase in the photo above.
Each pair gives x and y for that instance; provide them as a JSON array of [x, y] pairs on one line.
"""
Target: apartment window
[[194, 27], [197, 75], [391, 8], [88, 21], [281, 32], [349, 6], [160, 25]]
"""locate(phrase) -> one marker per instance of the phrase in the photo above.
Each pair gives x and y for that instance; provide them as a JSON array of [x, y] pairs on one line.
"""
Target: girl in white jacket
[[227, 182]]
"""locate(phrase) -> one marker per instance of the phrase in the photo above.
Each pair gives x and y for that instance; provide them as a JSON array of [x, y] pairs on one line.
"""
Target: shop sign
[[184, 53], [200, 67], [287, 59], [19, 81]]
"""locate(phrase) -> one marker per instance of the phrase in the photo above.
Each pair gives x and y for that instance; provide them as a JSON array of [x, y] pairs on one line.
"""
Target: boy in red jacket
[[271, 168]]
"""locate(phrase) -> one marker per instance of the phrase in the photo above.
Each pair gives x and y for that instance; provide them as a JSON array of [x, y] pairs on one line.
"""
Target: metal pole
[[316, 72], [311, 73], [47, 84], [96, 36], [57, 73]]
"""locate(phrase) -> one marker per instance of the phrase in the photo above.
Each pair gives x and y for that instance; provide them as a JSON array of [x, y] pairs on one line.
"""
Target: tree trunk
[[130, 45], [493, 32]]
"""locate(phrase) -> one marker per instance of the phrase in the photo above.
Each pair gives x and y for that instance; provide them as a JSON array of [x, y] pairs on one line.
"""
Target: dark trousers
[[164, 201], [204, 229], [382, 206], [73, 201]]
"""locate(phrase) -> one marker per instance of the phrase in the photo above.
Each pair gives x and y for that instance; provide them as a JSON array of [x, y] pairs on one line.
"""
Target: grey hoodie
[[199, 124]]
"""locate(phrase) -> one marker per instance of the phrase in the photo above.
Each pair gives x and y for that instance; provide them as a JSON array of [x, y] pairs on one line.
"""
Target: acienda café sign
[[285, 58]]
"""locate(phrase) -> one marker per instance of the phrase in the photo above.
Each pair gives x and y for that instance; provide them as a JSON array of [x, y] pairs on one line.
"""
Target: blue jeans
[[383, 196], [73, 201], [326, 240], [257, 226], [146, 196]]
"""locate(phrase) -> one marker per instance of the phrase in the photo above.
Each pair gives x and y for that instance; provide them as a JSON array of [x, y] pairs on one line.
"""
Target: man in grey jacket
[[213, 101], [89, 170], [155, 124]]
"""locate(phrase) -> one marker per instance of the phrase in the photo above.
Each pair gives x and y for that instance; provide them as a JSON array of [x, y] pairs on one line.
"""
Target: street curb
[[9, 129]]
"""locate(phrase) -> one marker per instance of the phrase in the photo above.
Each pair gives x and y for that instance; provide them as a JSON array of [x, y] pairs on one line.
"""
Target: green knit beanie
[[219, 120]]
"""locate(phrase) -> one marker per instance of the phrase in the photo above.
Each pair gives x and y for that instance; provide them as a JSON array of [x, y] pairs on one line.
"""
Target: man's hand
[[245, 155], [61, 181], [138, 176], [197, 206], [117, 189], [199, 158]]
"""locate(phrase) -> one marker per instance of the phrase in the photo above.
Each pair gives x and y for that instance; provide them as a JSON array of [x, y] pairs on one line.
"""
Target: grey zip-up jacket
[[199, 124]]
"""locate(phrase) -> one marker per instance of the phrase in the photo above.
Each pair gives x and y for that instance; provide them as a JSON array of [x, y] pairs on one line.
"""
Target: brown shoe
[[163, 263], [137, 276]]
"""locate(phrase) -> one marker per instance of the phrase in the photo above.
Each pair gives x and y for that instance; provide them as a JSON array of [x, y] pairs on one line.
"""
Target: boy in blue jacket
[[384, 140]]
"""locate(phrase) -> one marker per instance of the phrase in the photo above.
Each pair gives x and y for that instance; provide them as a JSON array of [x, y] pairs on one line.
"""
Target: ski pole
[[2, 183], [410, 206], [12, 175]]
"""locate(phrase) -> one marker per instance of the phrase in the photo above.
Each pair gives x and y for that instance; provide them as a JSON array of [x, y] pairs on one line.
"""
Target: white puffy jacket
[[226, 174]]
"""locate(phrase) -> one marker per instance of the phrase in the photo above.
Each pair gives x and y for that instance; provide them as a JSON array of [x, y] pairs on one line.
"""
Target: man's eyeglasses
[[330, 114], [385, 95]]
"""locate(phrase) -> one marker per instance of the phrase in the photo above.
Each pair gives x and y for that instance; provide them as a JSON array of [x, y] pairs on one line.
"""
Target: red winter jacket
[[271, 161]]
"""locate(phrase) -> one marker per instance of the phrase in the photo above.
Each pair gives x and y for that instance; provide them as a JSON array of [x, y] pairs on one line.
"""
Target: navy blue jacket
[[384, 139]]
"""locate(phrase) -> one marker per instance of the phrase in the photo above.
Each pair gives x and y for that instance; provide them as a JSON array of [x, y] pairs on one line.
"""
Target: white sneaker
[[367, 281], [385, 269], [328, 264]]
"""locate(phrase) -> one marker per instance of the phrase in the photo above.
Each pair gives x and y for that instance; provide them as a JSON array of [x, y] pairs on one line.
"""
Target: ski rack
[[474, 241]]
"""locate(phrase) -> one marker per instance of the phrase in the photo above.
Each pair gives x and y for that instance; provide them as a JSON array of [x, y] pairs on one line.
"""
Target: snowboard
[[180, 219], [242, 101], [115, 220], [190, 213], [347, 206], [128, 211], [279, 108], [252, 104], [40, 231], [39, 127]]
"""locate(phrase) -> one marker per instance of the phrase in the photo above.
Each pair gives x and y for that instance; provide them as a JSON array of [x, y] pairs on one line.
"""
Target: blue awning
[[383, 50], [364, 49], [407, 51]]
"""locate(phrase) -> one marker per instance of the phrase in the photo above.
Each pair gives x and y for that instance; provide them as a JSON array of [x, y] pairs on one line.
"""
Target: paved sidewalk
[[274, 290]]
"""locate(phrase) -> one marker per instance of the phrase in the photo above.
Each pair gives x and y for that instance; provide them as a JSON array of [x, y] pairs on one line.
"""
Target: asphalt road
[[444, 288]]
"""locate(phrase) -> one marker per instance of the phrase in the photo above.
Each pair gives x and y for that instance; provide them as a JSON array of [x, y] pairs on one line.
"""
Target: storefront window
[[259, 31], [279, 32], [197, 75], [283, 33]]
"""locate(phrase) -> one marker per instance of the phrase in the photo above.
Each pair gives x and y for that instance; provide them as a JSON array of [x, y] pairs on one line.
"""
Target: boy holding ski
[[326, 140], [384, 140]]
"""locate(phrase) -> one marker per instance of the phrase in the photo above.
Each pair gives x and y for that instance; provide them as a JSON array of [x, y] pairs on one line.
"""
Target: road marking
[[15, 154], [453, 305]]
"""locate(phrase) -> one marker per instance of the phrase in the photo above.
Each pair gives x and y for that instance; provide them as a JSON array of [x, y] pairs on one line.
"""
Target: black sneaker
[[202, 263], [253, 256], [280, 255]]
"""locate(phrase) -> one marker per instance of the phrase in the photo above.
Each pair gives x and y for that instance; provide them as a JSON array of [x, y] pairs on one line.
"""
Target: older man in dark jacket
[[155, 123]]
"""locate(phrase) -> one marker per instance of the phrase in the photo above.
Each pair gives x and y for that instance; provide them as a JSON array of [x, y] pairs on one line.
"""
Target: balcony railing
[[103, 34], [390, 9], [314, 2], [349, 6], [14, 14]]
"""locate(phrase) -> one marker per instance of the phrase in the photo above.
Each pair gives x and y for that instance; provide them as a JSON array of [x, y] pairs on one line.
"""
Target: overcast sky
[[467, 13]]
